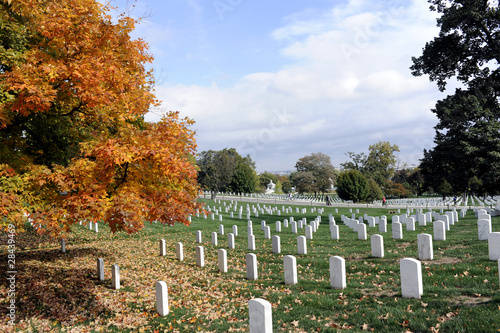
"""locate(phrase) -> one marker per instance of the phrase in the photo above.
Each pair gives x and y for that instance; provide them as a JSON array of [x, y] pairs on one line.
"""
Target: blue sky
[[280, 80]]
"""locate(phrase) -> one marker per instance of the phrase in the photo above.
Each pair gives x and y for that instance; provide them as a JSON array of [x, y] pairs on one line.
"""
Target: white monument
[[270, 187]]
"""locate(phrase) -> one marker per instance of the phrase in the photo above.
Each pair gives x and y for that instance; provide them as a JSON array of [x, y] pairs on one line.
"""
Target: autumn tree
[[411, 178], [74, 146], [315, 173], [467, 141]]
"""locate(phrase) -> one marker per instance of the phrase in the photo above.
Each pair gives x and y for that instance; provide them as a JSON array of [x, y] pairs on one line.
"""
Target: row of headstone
[[115, 273]]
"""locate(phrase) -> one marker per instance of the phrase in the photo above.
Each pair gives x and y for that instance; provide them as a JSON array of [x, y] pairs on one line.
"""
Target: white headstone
[[425, 251], [494, 245], [235, 230], [410, 224], [100, 269], [397, 230], [63, 245], [200, 256], [198, 236], [334, 232], [377, 243], [251, 242], [294, 227], [260, 316], [251, 261], [411, 278], [451, 217], [362, 231], [337, 272], [115, 277], [214, 238], [483, 229], [439, 229], [267, 232], [422, 220], [278, 226], [309, 232], [179, 250], [163, 248], [301, 245], [230, 241], [382, 225], [446, 220], [221, 229], [162, 298], [290, 268], [276, 244], [222, 260]]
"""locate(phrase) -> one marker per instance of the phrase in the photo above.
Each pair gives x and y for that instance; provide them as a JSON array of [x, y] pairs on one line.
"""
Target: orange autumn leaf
[[74, 142]]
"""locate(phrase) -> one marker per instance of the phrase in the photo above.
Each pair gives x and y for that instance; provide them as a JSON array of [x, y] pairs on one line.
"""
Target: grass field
[[60, 291]]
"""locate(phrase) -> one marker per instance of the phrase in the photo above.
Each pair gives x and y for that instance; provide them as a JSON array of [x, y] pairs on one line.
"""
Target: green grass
[[461, 286]]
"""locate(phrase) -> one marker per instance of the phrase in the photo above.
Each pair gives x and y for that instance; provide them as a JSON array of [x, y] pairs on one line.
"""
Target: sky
[[280, 80]]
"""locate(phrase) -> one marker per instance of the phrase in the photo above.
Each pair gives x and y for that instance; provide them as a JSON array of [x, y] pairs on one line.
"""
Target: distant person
[[383, 201], [455, 201], [328, 201]]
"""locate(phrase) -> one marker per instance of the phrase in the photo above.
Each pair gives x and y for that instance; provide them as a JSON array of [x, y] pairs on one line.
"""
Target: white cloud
[[347, 85]]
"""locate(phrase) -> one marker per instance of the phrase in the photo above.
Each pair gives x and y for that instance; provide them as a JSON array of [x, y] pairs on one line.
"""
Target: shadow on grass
[[49, 286]]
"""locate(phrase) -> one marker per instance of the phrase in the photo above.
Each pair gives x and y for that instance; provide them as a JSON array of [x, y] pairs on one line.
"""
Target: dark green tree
[[467, 141], [352, 185], [373, 191], [315, 173], [303, 181], [245, 178], [226, 171], [286, 185]]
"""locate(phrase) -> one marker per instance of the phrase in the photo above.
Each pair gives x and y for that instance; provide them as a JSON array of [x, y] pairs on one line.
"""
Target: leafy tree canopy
[[352, 185], [378, 164], [315, 173], [73, 143], [467, 150], [226, 171]]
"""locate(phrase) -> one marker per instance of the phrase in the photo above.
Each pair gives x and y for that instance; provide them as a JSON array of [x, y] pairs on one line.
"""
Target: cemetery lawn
[[60, 292]]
